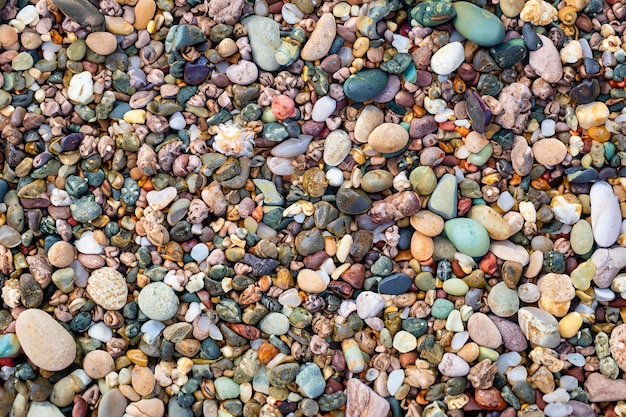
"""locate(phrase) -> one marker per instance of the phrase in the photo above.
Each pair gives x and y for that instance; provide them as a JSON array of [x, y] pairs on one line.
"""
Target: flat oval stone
[[336, 147], [102, 43], [468, 236], [376, 181], [274, 324], [370, 117], [365, 84], [443, 200], [606, 217], [394, 284], [321, 39], [388, 138], [581, 237], [352, 202], [44, 341], [549, 151], [448, 58], [477, 24], [484, 331]]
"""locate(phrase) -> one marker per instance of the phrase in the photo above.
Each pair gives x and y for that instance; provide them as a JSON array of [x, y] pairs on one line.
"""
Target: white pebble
[[193, 311], [323, 108], [547, 127], [604, 294], [568, 382], [80, 89], [507, 360], [88, 245], [291, 13], [528, 292], [177, 121], [151, 330], [60, 198], [100, 332], [517, 374], [576, 359], [199, 252], [395, 380], [371, 374], [506, 201], [401, 43], [369, 304], [334, 176], [448, 58], [28, 15], [280, 166], [558, 410], [459, 340]]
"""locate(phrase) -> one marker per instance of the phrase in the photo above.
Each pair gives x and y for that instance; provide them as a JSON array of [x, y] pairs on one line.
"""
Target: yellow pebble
[[135, 116], [137, 357], [570, 324]]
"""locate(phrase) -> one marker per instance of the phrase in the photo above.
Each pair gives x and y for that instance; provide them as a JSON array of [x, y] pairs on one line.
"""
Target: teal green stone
[[442, 308], [415, 326], [397, 64], [383, 266], [524, 392], [271, 197], [311, 381], [365, 84], [282, 375], [9, 345], [468, 236], [432, 13], [85, 210], [443, 200], [477, 24], [481, 158]]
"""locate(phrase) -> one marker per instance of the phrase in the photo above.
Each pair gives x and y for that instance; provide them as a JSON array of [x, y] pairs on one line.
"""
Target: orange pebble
[[283, 107], [267, 352]]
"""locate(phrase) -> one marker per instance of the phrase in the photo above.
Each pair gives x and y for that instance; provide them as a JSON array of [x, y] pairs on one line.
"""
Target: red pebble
[[283, 107]]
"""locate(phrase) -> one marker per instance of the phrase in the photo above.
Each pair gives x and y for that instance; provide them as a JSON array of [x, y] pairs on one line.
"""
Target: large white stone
[[80, 89], [606, 217], [448, 58]]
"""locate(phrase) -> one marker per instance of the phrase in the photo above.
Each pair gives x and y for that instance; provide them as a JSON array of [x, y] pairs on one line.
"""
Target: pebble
[[447, 59], [321, 39], [61, 254], [369, 304], [549, 152], [369, 118], [158, 301], [452, 365], [606, 217], [107, 288], [102, 43], [483, 331], [388, 138], [44, 341], [98, 363], [144, 12], [362, 400], [274, 324], [539, 326], [546, 61], [468, 236], [312, 281]]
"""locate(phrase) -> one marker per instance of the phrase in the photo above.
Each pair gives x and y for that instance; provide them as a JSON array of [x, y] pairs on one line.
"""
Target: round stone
[[44, 341], [102, 43], [549, 152], [468, 236], [312, 282], [484, 331], [447, 59], [404, 342], [336, 147], [502, 300], [158, 301], [592, 114], [98, 363], [61, 254], [275, 324], [107, 288], [388, 138]]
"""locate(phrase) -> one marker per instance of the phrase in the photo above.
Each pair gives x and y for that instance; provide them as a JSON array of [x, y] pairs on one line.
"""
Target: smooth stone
[[502, 300], [549, 151], [477, 24], [511, 8], [369, 118], [44, 341], [509, 251], [443, 200], [512, 336], [468, 236], [608, 263], [310, 381], [323, 108], [369, 304], [592, 114], [606, 215], [270, 193], [98, 363], [363, 401], [158, 301], [80, 89], [82, 11], [321, 39], [264, 36], [102, 43], [336, 147], [9, 237], [483, 331], [158, 200], [404, 342], [492, 221], [274, 324], [312, 282], [144, 12], [43, 409], [376, 181], [448, 58], [452, 365], [394, 284], [353, 355], [365, 84], [539, 327], [243, 73], [9, 346], [352, 202], [226, 388], [388, 138], [546, 61], [581, 237], [113, 404], [455, 286]]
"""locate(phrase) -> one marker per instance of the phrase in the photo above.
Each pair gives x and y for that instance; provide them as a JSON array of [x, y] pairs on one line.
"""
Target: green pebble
[[441, 308]]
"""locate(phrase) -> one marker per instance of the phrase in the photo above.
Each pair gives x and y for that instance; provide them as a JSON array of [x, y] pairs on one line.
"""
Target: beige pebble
[[483, 331], [321, 39], [107, 288], [117, 25], [144, 12], [153, 407], [98, 363], [491, 220], [475, 142], [592, 114], [312, 281], [102, 43], [427, 223], [549, 152], [44, 341], [143, 380], [388, 138], [8, 35], [61, 254], [370, 117]]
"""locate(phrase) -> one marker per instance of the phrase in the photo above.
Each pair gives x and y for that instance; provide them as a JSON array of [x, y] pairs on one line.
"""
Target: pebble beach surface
[[261, 208]]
